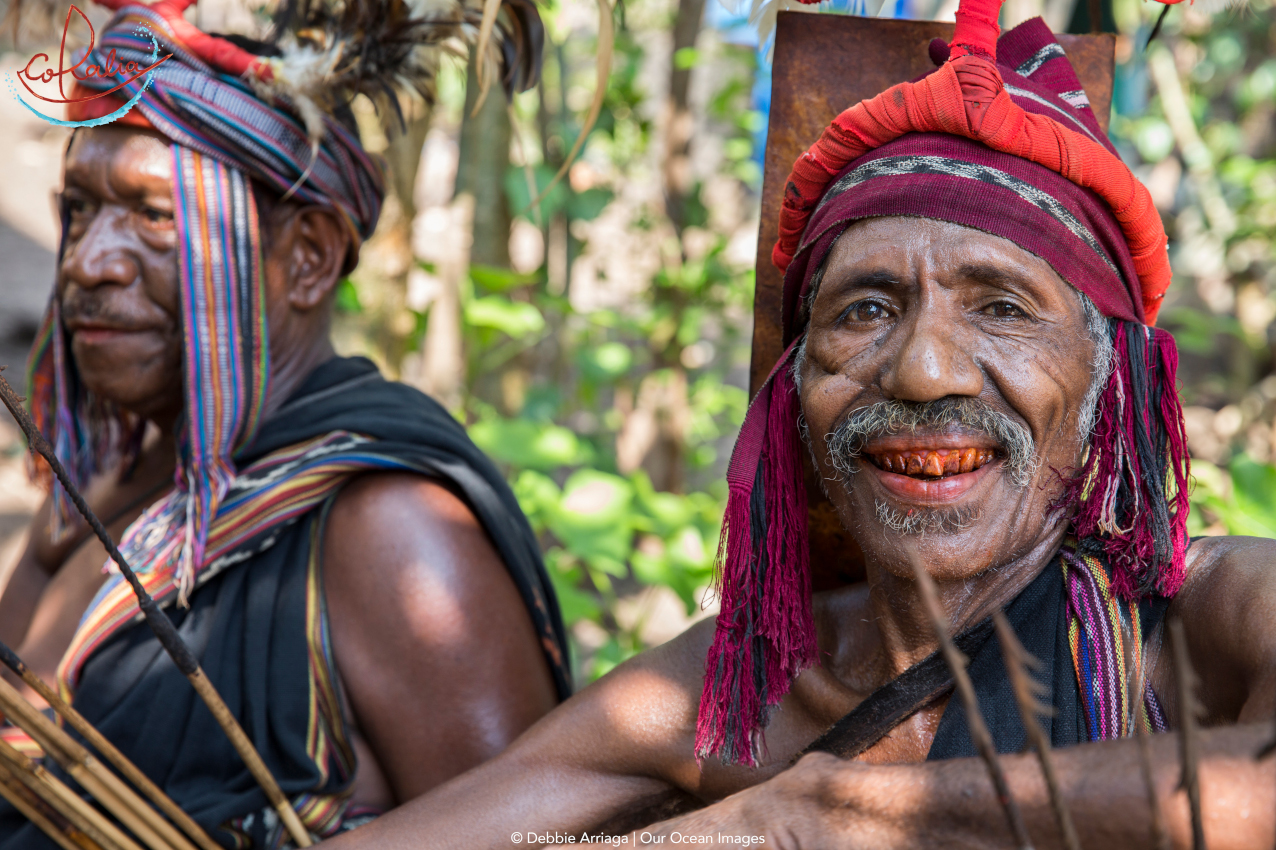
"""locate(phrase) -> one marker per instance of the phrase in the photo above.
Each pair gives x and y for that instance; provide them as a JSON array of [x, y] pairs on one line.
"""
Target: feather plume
[[332, 50]]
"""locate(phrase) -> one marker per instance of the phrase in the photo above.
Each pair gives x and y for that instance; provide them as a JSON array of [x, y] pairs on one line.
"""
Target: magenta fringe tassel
[[1131, 494], [765, 631]]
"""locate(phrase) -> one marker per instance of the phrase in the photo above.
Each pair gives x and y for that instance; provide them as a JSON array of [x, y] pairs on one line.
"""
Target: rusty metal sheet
[[823, 65]]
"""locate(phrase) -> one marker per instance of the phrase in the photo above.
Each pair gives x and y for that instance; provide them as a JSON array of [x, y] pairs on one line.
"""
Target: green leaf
[[606, 362], [1254, 491], [497, 279], [516, 319], [536, 493], [686, 58], [593, 518], [525, 443], [347, 298], [517, 191], [589, 204], [576, 604]]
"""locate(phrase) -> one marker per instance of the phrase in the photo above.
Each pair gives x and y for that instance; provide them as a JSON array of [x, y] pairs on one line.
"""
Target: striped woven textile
[[223, 136], [327, 742], [262, 500], [1106, 636], [220, 116]]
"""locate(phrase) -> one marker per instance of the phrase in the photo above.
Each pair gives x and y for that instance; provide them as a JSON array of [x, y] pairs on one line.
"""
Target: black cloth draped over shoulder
[[1040, 620], [259, 629]]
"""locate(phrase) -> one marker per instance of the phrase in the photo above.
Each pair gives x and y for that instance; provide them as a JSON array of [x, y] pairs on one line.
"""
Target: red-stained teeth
[[932, 466], [935, 463]]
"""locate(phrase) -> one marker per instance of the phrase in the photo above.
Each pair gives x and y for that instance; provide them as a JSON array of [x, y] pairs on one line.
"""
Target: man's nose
[[933, 362], [100, 256]]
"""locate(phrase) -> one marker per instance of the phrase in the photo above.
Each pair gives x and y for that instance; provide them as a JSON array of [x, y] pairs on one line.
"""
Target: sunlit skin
[[914, 310], [422, 610]]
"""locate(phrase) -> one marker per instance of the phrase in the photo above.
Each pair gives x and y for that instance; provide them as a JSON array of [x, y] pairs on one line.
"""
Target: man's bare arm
[[623, 742], [825, 802]]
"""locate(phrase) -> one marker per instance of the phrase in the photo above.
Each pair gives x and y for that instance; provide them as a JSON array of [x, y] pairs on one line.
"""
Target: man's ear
[[311, 245]]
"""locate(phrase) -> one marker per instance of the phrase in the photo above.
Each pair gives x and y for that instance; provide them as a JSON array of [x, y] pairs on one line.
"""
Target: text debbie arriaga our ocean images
[[643, 838]]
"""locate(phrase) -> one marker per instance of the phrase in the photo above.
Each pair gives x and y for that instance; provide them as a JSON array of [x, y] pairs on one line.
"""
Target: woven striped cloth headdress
[[1001, 138], [234, 117]]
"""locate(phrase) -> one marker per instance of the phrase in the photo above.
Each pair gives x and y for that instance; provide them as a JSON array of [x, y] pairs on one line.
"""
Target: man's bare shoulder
[[1228, 608], [1221, 567], [424, 611]]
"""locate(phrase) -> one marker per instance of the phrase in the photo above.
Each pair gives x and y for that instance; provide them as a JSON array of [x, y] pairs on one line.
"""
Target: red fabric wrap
[[100, 107], [218, 52], [951, 100], [976, 32]]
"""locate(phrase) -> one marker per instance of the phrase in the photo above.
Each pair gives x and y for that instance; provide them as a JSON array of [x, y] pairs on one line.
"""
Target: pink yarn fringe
[[764, 586], [1111, 493]]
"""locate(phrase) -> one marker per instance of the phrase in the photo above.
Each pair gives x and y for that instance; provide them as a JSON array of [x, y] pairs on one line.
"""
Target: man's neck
[[287, 373], [906, 631]]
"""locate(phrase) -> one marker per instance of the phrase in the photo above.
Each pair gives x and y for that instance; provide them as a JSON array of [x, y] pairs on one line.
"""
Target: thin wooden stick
[[30, 805], [1189, 711], [108, 750], [1160, 835], [106, 787], [1027, 690], [163, 627], [974, 720], [67, 803]]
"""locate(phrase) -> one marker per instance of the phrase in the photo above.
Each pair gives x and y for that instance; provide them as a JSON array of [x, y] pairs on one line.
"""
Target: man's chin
[[138, 393], [921, 521]]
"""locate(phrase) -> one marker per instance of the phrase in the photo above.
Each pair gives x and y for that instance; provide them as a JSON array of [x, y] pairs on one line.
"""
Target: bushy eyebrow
[[995, 276], [869, 279]]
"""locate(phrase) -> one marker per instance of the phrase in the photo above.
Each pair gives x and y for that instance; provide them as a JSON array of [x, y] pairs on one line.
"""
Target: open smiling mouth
[[932, 463]]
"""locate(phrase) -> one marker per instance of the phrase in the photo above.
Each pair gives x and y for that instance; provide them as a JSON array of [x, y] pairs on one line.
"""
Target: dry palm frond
[[606, 46]]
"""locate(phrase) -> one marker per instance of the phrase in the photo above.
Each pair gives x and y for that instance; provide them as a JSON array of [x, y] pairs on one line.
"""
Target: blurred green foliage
[[1222, 303], [552, 389]]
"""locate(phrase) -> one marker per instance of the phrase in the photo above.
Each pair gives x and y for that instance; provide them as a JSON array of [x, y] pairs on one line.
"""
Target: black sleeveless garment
[[259, 629], [1040, 621]]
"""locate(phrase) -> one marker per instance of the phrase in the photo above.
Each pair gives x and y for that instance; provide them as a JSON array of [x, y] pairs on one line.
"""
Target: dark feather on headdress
[[333, 50]]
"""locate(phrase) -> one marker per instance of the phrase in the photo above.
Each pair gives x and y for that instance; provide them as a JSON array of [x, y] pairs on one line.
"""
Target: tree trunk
[[385, 259], [484, 160]]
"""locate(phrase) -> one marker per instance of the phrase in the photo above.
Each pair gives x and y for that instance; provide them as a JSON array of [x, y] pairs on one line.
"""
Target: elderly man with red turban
[[972, 279]]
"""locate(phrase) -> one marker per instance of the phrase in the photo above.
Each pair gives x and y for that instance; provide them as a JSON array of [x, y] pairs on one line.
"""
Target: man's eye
[[1004, 310], [156, 216], [864, 311], [76, 207]]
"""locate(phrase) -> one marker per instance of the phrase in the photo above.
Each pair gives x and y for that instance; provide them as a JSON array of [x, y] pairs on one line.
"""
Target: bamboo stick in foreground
[[108, 750], [105, 787], [66, 802], [1027, 690], [1160, 835], [1189, 710], [33, 809], [163, 628], [974, 720]]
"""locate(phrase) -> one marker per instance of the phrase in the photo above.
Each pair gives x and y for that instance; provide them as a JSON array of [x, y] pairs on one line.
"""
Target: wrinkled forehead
[[104, 159]]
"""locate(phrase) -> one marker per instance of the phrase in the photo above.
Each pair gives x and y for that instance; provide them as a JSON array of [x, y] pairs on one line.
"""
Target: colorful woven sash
[[258, 503], [1106, 636]]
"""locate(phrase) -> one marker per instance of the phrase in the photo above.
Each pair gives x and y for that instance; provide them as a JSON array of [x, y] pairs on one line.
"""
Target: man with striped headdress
[[355, 576], [972, 280]]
